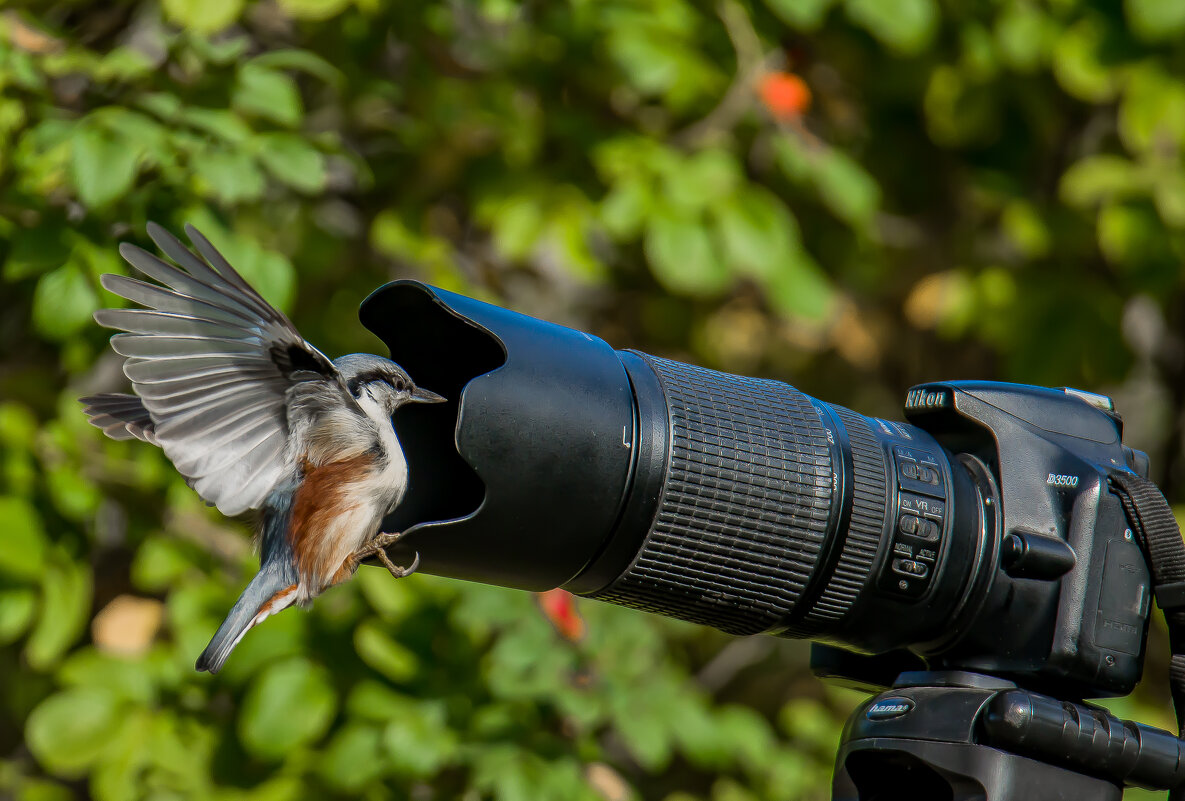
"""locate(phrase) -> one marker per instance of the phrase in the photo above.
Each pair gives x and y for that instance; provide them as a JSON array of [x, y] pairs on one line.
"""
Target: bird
[[256, 418]]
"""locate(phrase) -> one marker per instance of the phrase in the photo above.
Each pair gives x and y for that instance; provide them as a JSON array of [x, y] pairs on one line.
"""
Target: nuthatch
[[255, 417]]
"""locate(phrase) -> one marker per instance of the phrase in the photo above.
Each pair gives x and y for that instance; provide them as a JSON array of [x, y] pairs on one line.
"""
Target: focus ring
[[744, 507], [865, 529]]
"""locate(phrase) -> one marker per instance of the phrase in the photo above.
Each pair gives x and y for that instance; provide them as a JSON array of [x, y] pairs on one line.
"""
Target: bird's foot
[[377, 547]]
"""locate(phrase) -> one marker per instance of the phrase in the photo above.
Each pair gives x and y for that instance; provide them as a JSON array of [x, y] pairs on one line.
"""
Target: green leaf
[[698, 737], [1095, 179], [129, 679], [507, 773], [800, 290], [1024, 36], [625, 209], [23, 554], [63, 302], [749, 733], [391, 600], [757, 232], [375, 701], [222, 50], [65, 609], [71, 729], [37, 250], [162, 104], [218, 122], [1023, 226], [43, 790], [103, 165], [313, 9], [906, 26], [293, 161], [1152, 114], [74, 495], [267, 93], [958, 111], [18, 427], [682, 256], [658, 62], [810, 723], [1169, 196], [418, 742], [1078, 62], [137, 131], [648, 736], [158, 563], [289, 705], [1131, 236], [203, 16], [384, 654], [353, 758], [846, 188], [118, 774], [17, 608], [304, 61], [1155, 20], [517, 223], [693, 184], [794, 159], [231, 176], [805, 15], [568, 239]]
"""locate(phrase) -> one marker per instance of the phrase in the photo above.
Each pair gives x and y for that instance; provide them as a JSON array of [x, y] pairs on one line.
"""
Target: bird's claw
[[394, 569], [377, 547]]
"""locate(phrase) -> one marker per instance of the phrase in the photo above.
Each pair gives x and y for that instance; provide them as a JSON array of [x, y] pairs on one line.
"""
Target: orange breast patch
[[321, 497]]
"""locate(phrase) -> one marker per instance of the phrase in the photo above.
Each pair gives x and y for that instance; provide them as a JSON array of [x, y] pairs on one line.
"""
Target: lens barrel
[[783, 514], [739, 503], [746, 506]]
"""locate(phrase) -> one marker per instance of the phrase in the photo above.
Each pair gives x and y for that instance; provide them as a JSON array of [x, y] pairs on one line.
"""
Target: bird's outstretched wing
[[120, 416], [219, 372]]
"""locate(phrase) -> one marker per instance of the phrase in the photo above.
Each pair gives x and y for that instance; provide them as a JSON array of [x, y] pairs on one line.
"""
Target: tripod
[[957, 736]]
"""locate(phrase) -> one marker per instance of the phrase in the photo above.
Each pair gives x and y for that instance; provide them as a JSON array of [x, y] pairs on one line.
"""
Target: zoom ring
[[744, 507], [865, 529]]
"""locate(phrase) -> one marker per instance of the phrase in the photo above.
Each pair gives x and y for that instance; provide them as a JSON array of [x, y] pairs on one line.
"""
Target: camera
[[985, 554]]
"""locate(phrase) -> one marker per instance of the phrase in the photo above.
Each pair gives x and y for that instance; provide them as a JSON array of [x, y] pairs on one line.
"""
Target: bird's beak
[[421, 395]]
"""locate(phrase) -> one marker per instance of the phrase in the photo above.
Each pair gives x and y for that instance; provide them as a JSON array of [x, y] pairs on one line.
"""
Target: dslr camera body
[[1006, 529]]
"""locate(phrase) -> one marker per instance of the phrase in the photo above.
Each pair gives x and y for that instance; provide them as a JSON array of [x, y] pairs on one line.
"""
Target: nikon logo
[[927, 399], [1058, 480]]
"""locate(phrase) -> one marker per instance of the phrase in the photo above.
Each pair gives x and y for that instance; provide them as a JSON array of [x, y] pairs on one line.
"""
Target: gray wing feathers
[[202, 356], [120, 416]]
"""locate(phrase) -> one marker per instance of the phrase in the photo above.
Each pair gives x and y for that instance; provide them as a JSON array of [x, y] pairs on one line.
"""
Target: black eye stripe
[[356, 383]]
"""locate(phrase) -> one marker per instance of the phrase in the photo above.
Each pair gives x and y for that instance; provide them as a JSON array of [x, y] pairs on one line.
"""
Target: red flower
[[559, 607], [785, 95]]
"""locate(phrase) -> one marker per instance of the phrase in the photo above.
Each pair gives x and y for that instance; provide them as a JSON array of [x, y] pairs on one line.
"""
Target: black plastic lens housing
[[739, 503]]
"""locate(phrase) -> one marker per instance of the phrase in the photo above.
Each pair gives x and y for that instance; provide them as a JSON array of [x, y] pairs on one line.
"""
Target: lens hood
[[518, 478]]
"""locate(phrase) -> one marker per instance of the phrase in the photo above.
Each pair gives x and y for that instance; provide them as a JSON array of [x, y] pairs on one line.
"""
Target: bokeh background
[[849, 195]]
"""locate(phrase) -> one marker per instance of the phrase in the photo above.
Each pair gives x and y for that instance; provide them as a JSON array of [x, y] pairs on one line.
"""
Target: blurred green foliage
[[979, 189]]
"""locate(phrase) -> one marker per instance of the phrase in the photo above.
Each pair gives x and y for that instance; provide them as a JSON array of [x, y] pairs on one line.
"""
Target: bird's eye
[[399, 384]]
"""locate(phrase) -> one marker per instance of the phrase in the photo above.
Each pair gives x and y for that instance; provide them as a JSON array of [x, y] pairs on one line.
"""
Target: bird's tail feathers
[[273, 588]]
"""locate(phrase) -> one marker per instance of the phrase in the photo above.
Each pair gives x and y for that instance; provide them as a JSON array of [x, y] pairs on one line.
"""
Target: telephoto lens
[[747, 505], [739, 503]]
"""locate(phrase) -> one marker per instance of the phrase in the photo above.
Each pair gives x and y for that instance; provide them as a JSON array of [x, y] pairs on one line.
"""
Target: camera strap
[[1159, 537]]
